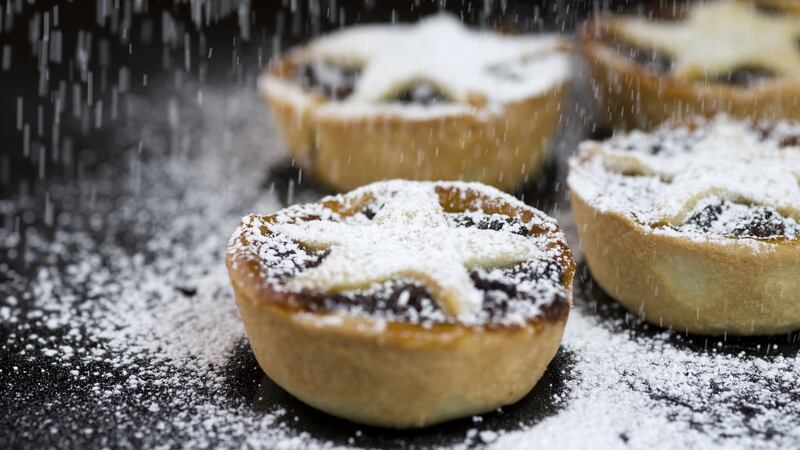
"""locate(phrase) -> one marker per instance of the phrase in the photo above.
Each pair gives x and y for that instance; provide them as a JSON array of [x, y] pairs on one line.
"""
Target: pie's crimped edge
[[630, 96], [716, 286], [501, 147], [393, 374]]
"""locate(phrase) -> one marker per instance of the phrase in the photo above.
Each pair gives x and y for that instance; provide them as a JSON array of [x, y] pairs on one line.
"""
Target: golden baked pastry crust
[[501, 147], [696, 287], [704, 284], [398, 377], [630, 96], [396, 374]]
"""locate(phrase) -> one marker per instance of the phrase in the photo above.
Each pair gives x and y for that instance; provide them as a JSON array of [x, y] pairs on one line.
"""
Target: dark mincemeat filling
[[506, 73], [662, 63], [334, 81], [743, 76], [337, 82], [770, 10], [676, 141], [497, 306], [719, 218], [421, 93], [510, 224], [671, 142], [408, 301], [650, 59], [759, 221], [765, 130]]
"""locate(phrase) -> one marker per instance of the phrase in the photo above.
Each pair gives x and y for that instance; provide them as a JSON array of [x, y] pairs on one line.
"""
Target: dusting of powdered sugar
[[460, 260], [660, 179], [720, 217], [708, 42], [439, 50]]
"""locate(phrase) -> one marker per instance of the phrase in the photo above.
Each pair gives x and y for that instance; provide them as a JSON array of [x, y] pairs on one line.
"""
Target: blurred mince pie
[[403, 304], [696, 227], [741, 58], [431, 100]]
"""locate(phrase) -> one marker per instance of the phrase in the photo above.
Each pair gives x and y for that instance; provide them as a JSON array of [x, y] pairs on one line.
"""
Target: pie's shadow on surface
[[545, 400], [589, 297], [292, 184]]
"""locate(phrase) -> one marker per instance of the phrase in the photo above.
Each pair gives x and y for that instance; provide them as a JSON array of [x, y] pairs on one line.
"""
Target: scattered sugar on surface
[[129, 297], [640, 391]]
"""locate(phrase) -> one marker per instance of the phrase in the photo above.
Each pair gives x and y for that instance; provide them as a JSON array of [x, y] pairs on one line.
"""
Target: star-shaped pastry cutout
[[468, 66], [722, 36], [730, 161], [409, 238]]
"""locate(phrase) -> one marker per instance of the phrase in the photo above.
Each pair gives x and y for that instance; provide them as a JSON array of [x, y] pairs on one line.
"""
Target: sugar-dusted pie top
[[717, 178], [436, 65], [413, 251], [721, 37]]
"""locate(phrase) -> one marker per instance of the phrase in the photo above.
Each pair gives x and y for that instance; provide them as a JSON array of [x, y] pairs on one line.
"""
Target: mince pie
[[404, 304], [432, 100], [737, 57], [696, 227]]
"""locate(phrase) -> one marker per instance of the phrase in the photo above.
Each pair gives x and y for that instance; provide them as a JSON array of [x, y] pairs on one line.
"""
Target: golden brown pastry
[[736, 57], [404, 304], [428, 101], [696, 227]]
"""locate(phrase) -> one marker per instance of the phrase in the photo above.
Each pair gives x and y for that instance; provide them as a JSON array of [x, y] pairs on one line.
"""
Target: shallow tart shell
[[397, 374], [712, 287], [502, 148]]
